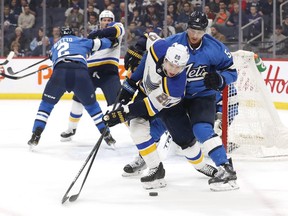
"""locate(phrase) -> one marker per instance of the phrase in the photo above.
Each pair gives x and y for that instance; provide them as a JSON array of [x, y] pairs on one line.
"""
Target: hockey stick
[[92, 154], [9, 57], [20, 77], [10, 70]]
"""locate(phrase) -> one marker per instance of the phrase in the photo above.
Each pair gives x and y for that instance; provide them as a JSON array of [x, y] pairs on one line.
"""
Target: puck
[[153, 194]]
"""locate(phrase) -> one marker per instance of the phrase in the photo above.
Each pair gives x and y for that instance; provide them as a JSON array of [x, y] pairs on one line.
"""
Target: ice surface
[[33, 183]]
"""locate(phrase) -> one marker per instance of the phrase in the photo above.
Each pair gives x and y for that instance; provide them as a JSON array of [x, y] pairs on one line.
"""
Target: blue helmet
[[198, 20]]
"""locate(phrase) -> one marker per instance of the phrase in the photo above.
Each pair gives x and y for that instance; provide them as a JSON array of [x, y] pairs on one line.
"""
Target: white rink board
[[275, 77]]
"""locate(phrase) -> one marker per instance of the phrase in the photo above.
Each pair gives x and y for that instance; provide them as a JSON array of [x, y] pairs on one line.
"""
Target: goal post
[[256, 128]]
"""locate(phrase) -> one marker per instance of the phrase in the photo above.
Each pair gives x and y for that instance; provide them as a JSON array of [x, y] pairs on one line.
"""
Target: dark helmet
[[198, 21], [66, 31]]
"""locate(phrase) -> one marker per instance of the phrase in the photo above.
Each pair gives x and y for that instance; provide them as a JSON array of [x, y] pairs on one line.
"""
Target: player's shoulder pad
[[120, 30], [152, 37], [116, 24], [158, 49]]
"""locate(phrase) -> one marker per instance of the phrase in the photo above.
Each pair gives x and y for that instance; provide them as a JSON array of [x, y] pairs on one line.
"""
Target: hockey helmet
[[198, 20], [175, 59], [177, 54], [106, 14], [66, 31]]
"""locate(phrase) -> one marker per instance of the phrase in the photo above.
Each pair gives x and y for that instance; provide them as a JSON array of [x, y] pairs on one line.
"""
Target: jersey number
[[163, 99], [62, 49]]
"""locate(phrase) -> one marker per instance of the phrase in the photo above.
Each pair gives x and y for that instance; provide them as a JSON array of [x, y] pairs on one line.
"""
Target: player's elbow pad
[[97, 44]]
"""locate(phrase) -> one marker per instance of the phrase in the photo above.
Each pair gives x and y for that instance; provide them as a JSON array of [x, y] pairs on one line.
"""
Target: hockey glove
[[114, 117], [214, 81], [114, 42], [132, 58], [129, 88]]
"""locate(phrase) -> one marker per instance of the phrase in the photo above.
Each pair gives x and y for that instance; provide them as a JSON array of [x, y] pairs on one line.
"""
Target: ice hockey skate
[[154, 178], [110, 141], [134, 168], [67, 135], [208, 170], [35, 138], [225, 179]]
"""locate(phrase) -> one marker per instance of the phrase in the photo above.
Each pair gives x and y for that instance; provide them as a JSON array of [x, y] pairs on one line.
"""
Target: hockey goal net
[[255, 128]]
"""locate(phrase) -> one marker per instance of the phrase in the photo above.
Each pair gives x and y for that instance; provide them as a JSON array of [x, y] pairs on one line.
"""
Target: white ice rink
[[33, 183]]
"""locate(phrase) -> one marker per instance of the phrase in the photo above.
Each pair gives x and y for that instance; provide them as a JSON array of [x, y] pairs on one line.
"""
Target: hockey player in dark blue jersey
[[209, 69], [70, 73], [103, 70]]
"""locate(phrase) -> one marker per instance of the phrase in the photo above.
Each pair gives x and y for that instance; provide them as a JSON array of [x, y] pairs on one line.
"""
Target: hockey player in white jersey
[[103, 69], [162, 77]]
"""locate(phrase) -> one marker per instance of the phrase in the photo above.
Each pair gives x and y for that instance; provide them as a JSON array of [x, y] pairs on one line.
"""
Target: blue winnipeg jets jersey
[[210, 56], [162, 92], [76, 48], [71, 47]]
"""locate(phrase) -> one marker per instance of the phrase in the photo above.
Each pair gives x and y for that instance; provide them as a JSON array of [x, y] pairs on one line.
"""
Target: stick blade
[[64, 199], [9, 57], [73, 198], [10, 71]]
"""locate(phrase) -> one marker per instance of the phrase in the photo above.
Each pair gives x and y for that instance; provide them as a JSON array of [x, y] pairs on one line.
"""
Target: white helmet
[[177, 54], [106, 14]]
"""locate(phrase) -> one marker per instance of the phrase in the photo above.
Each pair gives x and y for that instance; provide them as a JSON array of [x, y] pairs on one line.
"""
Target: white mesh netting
[[256, 129]]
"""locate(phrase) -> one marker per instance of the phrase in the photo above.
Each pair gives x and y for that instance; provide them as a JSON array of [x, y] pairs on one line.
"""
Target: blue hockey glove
[[114, 117], [214, 81], [129, 88]]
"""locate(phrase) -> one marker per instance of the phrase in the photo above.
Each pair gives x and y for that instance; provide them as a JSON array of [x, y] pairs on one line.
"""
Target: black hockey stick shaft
[[9, 57], [10, 70], [26, 75], [92, 153]]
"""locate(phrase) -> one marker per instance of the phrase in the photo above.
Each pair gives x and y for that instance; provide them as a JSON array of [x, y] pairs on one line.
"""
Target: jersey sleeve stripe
[[153, 54], [149, 107], [118, 31], [165, 86]]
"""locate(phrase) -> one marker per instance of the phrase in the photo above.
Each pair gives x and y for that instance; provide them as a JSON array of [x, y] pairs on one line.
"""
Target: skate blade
[[111, 146], [136, 173], [32, 148], [68, 139], [159, 183], [231, 185]]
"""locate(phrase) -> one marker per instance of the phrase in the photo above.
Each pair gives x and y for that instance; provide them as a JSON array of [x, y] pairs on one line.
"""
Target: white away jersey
[[108, 56], [162, 91]]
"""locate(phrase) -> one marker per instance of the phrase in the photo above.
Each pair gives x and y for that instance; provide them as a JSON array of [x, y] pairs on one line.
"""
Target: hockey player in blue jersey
[[103, 70], [209, 69], [70, 73], [162, 86]]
